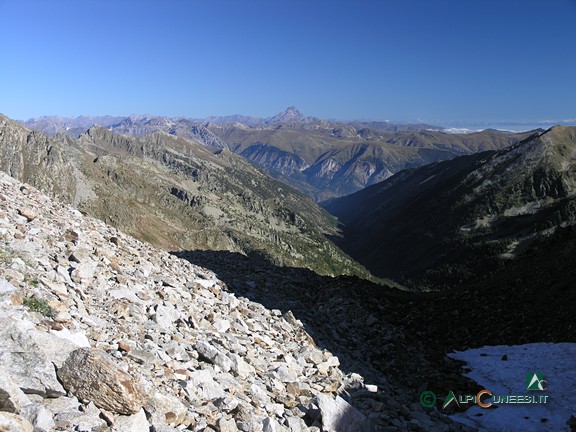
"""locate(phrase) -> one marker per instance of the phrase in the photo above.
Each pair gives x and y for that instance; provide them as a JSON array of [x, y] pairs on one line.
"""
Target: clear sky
[[433, 60]]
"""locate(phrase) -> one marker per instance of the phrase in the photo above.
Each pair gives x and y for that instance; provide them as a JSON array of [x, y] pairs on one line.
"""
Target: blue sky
[[441, 60]]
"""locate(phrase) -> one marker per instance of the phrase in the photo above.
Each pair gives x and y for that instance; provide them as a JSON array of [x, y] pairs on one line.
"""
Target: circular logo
[[428, 399]]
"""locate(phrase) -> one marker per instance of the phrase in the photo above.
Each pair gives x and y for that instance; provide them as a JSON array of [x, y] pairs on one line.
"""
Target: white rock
[[10, 422], [6, 287], [133, 423], [259, 396], [78, 338], [166, 315], [213, 355], [12, 399], [39, 416], [337, 414], [221, 325]]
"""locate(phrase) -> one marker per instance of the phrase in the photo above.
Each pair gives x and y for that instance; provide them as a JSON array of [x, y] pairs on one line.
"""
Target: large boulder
[[30, 356], [91, 375]]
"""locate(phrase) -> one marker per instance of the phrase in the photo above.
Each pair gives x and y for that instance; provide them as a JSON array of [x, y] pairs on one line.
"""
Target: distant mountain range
[[321, 158], [471, 219], [175, 193]]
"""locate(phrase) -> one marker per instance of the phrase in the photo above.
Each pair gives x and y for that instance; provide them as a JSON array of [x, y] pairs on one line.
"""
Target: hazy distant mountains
[[175, 193], [458, 222], [321, 158]]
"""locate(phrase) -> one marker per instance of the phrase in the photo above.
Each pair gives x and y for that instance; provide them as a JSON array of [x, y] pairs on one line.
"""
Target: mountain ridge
[[445, 223], [313, 155], [176, 194]]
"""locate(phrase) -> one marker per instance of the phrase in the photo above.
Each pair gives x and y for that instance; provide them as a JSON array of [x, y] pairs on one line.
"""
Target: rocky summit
[[101, 332]]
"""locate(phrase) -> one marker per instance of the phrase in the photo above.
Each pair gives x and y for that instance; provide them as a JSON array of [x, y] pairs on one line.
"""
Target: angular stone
[[226, 425], [39, 416], [337, 414], [166, 315], [133, 423], [6, 287], [90, 374], [213, 355], [12, 399], [10, 422], [28, 213], [30, 356], [166, 409]]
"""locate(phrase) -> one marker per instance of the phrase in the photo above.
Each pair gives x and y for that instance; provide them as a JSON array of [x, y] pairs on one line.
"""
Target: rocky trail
[[101, 332]]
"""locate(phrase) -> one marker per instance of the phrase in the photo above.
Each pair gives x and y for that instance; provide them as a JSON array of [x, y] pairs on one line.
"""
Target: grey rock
[[10, 422], [39, 416], [92, 375], [30, 356], [12, 399], [6, 287], [166, 409], [337, 414], [296, 424], [213, 355], [226, 425], [133, 423]]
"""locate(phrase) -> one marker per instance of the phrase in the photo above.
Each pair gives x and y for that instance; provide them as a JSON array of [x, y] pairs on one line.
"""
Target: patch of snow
[[556, 361]]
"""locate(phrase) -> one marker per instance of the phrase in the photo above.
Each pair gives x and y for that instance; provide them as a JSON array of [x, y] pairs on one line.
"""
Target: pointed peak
[[290, 114], [293, 111]]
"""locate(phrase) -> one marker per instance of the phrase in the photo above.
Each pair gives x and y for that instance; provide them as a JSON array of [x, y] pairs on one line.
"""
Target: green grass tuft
[[40, 306]]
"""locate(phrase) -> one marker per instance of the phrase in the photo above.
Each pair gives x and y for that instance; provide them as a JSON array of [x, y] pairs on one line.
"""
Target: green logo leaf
[[535, 381]]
